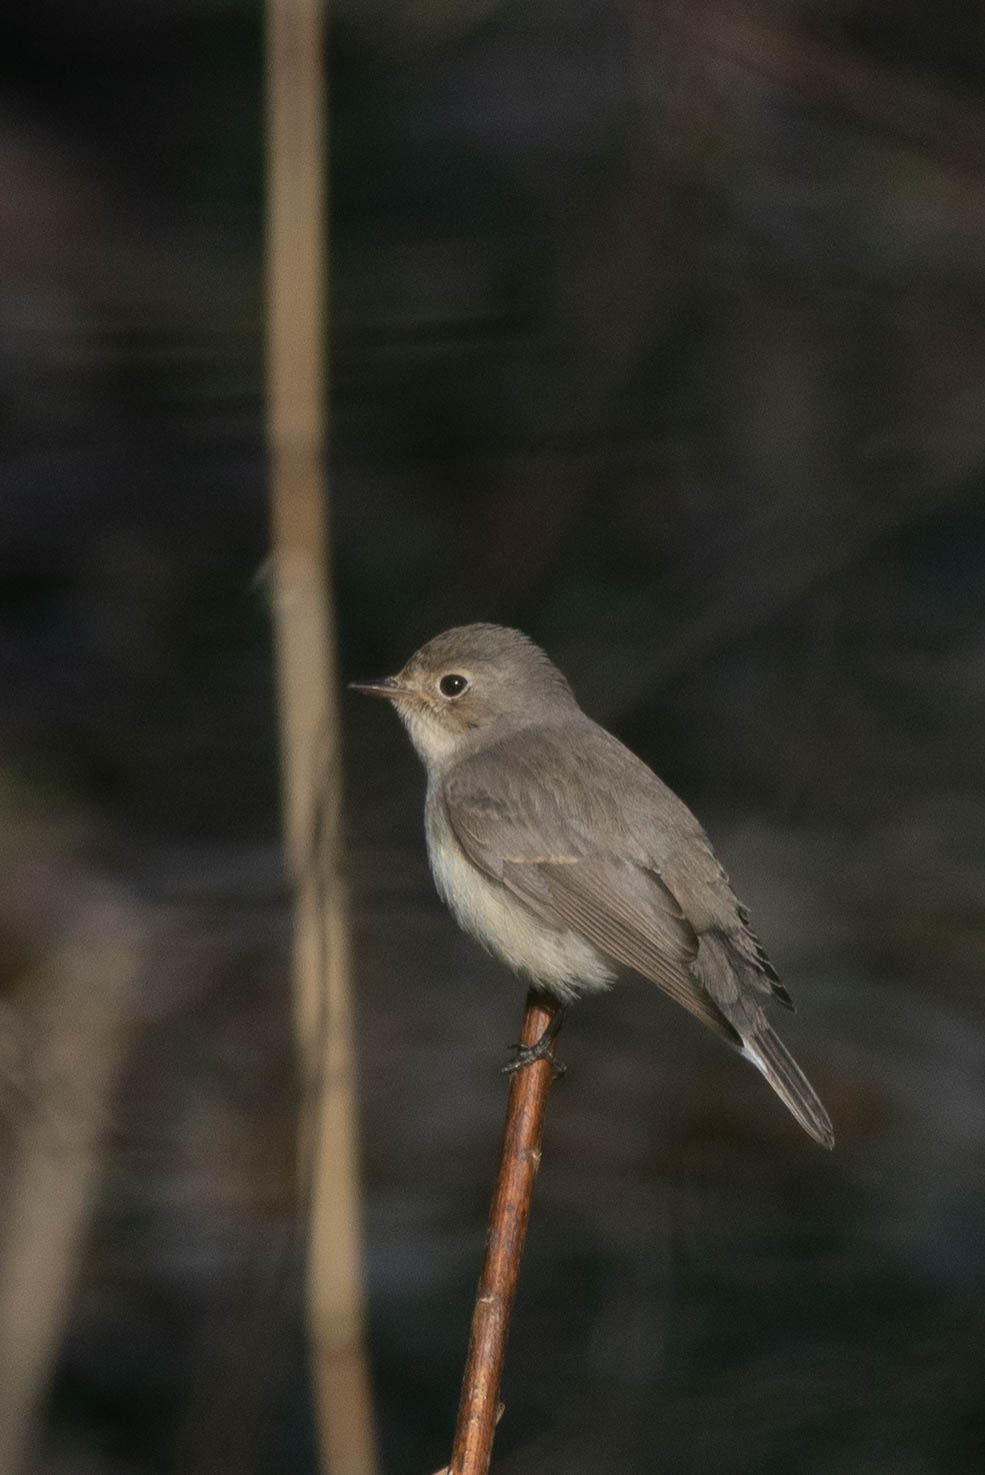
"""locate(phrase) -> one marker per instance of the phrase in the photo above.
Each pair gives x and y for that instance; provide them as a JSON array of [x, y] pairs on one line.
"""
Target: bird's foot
[[541, 1049], [528, 1054]]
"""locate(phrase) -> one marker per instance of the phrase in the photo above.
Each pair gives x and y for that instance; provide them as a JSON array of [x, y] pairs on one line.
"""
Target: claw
[[529, 1054], [540, 1050]]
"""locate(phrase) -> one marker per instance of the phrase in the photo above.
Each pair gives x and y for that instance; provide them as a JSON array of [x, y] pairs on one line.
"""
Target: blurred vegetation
[[658, 331]]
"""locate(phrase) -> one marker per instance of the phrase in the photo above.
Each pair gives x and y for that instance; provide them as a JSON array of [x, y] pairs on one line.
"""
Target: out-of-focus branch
[[906, 479], [296, 329], [82, 1030], [845, 83]]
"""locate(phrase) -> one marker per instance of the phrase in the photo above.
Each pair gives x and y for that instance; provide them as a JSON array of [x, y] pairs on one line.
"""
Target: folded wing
[[676, 922], [514, 829]]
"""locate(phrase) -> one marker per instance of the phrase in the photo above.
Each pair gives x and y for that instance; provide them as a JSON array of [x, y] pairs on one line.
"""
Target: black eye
[[452, 686]]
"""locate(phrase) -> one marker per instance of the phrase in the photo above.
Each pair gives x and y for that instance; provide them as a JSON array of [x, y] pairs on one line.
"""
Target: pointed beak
[[386, 686]]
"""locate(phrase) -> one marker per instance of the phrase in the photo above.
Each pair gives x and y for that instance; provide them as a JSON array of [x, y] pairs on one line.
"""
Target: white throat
[[434, 742]]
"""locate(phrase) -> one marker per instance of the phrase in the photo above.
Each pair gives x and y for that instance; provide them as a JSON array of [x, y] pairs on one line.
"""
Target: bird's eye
[[452, 686]]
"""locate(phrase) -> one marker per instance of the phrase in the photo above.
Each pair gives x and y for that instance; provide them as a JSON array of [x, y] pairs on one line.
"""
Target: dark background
[[658, 330]]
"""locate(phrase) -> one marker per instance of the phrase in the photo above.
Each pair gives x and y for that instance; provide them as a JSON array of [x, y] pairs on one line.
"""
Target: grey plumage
[[566, 856]]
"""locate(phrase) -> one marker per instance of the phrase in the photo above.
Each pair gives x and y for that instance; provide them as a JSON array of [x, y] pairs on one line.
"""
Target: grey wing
[[668, 913], [696, 878], [510, 824]]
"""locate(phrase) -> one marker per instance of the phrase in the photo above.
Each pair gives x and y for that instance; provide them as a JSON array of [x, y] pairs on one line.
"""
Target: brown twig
[[478, 1410]]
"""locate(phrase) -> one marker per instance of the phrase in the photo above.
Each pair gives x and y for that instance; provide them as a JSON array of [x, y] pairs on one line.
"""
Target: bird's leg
[[541, 1049]]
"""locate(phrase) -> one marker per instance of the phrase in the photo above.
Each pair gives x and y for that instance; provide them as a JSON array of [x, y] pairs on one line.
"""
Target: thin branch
[[479, 1409]]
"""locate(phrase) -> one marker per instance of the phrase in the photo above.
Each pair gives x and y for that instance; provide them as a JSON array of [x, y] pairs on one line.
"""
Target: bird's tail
[[769, 1054]]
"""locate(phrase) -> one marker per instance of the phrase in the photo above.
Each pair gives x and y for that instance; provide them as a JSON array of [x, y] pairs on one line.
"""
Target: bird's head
[[471, 685]]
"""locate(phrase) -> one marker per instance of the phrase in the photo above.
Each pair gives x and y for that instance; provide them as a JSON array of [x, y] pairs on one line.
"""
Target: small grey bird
[[565, 855]]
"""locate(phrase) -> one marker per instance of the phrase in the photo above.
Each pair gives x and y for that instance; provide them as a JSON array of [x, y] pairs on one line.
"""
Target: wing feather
[[519, 836], [627, 915], [661, 906]]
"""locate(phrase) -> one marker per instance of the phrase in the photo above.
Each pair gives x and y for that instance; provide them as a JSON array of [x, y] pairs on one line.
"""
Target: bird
[[565, 855]]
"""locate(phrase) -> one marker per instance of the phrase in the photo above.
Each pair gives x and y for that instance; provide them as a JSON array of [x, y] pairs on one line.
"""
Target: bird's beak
[[386, 686]]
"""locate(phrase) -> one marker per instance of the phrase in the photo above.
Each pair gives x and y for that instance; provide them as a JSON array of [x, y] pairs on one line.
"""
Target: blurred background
[[657, 330]]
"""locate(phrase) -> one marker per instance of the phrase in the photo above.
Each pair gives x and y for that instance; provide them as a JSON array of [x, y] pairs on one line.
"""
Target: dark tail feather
[[768, 1053]]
